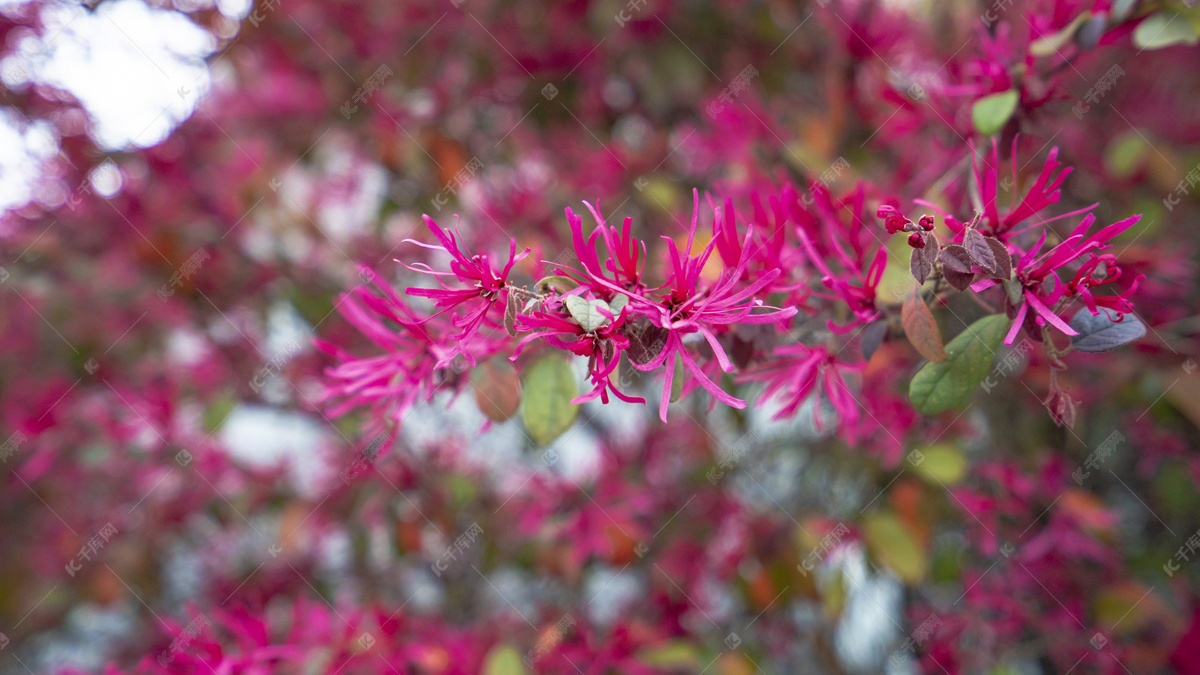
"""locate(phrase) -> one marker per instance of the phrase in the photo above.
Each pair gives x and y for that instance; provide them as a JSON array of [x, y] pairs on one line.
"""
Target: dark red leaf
[[919, 265], [976, 244], [1003, 259], [958, 280], [955, 257], [872, 337], [921, 328]]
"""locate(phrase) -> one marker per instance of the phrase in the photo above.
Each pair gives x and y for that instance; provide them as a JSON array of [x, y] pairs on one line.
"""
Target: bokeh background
[[189, 188]]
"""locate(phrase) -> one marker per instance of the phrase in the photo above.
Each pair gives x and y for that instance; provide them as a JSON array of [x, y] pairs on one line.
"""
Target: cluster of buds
[[895, 222]]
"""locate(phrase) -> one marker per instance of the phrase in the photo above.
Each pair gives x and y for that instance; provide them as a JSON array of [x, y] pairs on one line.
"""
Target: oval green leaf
[[503, 660], [549, 387], [893, 546], [991, 113], [1053, 42], [1164, 29], [941, 386], [587, 312], [941, 464]]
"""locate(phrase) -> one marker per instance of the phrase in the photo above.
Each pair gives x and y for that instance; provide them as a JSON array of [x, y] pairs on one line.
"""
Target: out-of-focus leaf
[[218, 411], [1126, 153], [1184, 395], [677, 379], [671, 655], [872, 337], [991, 113], [946, 564], [941, 386], [921, 328], [1125, 607], [942, 464], [1164, 29], [549, 387], [497, 388], [734, 663], [504, 660], [1102, 332], [1175, 490], [1086, 509], [833, 594], [661, 193], [462, 490], [1054, 42], [894, 546]]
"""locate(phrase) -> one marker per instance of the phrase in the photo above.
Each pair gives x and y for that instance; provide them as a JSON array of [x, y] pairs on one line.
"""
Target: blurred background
[[189, 188]]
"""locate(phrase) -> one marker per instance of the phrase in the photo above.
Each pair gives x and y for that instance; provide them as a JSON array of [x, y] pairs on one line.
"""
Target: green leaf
[[1163, 29], [679, 375], [1052, 43], [991, 113], [894, 546], [503, 660], [462, 491], [587, 312], [555, 283], [218, 411], [941, 464], [1126, 153], [941, 386], [672, 655], [549, 387], [618, 303]]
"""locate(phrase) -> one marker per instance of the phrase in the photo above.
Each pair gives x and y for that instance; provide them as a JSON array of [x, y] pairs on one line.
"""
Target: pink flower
[[1032, 272], [688, 308], [1044, 192], [827, 239], [626, 253], [484, 284], [860, 296], [406, 373], [603, 346], [795, 372]]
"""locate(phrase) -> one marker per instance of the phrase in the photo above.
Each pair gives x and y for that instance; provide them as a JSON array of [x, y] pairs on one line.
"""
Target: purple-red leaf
[[931, 247], [497, 388], [959, 280], [510, 314], [919, 265], [1003, 258], [976, 244], [955, 257], [872, 337], [921, 328]]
